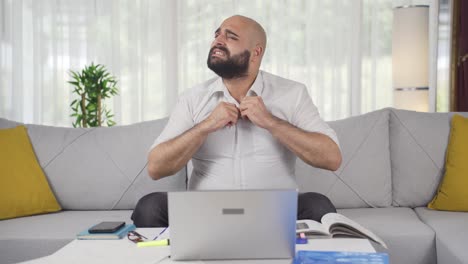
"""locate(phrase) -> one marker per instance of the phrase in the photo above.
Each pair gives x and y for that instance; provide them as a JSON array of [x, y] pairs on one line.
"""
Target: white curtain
[[341, 49]]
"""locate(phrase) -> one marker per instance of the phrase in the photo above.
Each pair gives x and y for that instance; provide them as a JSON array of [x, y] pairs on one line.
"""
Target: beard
[[235, 66]]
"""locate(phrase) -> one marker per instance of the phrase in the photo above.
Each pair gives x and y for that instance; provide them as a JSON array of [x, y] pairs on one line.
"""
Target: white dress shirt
[[244, 156]]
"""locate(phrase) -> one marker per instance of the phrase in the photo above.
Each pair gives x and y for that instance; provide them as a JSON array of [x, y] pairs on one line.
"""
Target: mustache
[[220, 48]]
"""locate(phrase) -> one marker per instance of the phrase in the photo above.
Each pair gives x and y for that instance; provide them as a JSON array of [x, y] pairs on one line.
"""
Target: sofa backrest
[[390, 158], [99, 168], [364, 177], [418, 142]]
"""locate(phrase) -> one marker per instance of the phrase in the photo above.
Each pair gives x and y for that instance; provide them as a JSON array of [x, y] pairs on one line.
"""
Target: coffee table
[[125, 251]]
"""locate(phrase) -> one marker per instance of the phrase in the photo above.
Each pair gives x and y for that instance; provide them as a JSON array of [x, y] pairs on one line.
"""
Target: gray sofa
[[393, 161]]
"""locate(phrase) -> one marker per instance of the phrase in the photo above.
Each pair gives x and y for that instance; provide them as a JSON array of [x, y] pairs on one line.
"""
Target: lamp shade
[[410, 57], [410, 47]]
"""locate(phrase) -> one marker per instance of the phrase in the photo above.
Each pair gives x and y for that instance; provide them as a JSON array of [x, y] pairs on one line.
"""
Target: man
[[242, 130]]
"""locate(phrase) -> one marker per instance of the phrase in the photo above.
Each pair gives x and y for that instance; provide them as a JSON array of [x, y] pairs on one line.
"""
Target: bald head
[[237, 49], [255, 32]]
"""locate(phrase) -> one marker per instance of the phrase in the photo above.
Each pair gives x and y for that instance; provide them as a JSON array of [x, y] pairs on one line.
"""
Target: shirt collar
[[257, 86], [255, 89]]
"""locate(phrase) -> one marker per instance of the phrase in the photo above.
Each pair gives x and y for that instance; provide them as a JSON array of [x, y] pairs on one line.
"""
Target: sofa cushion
[[452, 194], [19, 250], [364, 178], [408, 239], [418, 142], [60, 225], [36, 236], [102, 168], [99, 168], [451, 230], [25, 190]]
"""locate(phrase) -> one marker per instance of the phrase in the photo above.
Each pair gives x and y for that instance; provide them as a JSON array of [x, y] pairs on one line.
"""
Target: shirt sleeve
[[307, 117], [180, 121]]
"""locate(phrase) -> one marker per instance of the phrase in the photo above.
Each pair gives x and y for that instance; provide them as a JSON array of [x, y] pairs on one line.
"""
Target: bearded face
[[226, 66]]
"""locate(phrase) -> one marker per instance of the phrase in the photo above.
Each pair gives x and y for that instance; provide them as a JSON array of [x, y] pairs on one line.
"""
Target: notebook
[[116, 235]]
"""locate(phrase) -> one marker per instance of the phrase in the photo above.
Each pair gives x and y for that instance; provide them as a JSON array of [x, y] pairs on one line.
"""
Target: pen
[[154, 243], [160, 234]]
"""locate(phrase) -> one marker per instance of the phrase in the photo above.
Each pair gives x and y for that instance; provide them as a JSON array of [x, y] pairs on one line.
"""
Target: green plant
[[92, 85]]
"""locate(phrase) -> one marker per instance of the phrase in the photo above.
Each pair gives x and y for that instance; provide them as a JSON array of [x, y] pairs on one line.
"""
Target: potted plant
[[92, 85]]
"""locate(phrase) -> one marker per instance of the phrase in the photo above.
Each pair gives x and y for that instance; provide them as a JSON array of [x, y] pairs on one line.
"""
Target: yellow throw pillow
[[453, 193], [24, 187]]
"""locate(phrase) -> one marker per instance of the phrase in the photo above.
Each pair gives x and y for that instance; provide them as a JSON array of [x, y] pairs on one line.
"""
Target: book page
[[310, 228], [341, 226]]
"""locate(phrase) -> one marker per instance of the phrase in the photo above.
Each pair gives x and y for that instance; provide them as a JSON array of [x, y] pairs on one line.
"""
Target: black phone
[[106, 227]]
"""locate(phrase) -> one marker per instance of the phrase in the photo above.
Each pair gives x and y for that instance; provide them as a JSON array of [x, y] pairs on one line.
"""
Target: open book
[[336, 225]]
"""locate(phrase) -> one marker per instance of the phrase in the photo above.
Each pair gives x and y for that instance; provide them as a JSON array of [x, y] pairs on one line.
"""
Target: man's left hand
[[253, 108]]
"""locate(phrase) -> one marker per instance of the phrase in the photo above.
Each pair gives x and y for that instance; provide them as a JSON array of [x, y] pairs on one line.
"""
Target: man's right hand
[[225, 114], [170, 156]]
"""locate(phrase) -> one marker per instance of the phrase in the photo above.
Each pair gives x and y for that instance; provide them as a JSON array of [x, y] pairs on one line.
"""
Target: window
[[340, 49]]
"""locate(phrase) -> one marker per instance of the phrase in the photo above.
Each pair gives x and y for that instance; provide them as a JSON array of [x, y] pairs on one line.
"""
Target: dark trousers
[[151, 210]]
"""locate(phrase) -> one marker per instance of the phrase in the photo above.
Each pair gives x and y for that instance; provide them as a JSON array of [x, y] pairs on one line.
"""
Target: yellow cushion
[[24, 189], [453, 191]]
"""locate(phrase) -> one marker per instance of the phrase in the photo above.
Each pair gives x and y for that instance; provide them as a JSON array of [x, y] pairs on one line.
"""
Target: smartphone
[[106, 227]]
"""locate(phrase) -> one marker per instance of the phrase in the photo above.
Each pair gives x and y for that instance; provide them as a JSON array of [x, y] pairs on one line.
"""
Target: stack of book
[[312, 257]]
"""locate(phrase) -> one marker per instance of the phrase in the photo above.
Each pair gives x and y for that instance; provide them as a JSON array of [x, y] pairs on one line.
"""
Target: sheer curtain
[[340, 49]]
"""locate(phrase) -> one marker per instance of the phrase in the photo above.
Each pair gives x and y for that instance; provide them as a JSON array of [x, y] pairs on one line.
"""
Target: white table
[[124, 251]]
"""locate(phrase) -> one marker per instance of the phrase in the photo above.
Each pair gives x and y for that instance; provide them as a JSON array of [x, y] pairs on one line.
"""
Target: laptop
[[232, 224]]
